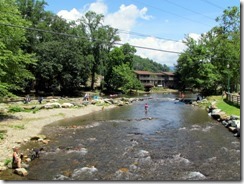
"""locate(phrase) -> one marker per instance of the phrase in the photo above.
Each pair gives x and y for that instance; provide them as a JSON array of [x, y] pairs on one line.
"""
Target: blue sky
[[163, 23]]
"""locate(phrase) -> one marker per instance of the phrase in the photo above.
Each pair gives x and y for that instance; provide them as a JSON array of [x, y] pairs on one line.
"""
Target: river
[[171, 142]]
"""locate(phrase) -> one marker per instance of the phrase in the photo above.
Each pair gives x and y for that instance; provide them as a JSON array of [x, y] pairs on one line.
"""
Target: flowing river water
[[172, 141]]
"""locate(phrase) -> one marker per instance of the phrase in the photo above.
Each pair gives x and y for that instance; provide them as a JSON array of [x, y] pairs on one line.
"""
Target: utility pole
[[228, 86]]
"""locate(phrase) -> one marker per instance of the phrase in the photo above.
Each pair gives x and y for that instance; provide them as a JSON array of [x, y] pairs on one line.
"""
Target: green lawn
[[224, 106]]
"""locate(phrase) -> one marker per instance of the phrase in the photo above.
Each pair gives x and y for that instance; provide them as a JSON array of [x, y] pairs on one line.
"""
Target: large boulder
[[67, 105], [234, 117], [53, 100], [3, 167], [21, 171], [109, 101], [52, 105], [216, 111], [37, 137], [235, 123]]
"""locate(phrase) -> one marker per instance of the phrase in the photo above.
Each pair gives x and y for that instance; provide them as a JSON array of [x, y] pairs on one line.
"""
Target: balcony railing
[[151, 78]]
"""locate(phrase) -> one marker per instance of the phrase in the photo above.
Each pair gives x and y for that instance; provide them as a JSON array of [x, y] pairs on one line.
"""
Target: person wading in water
[[146, 107]]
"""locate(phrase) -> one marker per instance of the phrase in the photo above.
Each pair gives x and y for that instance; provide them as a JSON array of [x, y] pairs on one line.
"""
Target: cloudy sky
[[156, 24]]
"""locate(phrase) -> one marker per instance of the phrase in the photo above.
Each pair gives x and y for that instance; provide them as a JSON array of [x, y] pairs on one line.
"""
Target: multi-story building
[[162, 79]]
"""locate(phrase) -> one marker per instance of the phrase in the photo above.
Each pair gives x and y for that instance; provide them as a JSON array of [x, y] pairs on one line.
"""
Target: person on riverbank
[[40, 99], [16, 162], [27, 99], [86, 97]]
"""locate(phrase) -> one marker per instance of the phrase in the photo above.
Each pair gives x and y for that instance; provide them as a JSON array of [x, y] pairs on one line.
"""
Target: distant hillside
[[172, 68], [148, 65]]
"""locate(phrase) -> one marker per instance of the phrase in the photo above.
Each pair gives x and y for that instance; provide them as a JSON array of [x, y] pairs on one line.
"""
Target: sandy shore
[[28, 124]]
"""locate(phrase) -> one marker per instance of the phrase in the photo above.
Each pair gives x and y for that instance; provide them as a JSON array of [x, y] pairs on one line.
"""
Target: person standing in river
[[146, 107]]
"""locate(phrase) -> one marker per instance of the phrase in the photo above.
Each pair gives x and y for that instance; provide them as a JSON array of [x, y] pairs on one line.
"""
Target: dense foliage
[[146, 64], [210, 63], [14, 62], [41, 52]]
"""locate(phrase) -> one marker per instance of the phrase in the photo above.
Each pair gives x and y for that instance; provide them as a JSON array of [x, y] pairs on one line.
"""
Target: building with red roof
[[161, 79]]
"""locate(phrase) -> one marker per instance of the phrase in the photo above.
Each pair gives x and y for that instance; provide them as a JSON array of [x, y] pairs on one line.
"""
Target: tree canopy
[[14, 62], [146, 64], [208, 64], [42, 52]]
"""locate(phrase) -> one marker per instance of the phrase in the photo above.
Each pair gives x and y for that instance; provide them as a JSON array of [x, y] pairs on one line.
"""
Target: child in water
[[146, 107]]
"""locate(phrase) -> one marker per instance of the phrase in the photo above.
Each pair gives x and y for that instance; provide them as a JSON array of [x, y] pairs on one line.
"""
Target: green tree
[[203, 65], [118, 56], [146, 64], [195, 69], [129, 53], [34, 12], [13, 61], [115, 58], [63, 59], [228, 36], [101, 38], [125, 78], [63, 68]]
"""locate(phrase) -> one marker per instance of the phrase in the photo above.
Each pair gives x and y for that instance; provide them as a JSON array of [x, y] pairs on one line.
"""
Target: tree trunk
[[93, 76]]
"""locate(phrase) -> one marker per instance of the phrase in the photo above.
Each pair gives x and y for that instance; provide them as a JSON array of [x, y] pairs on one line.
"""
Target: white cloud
[[73, 14], [99, 7], [194, 36], [159, 56], [125, 19]]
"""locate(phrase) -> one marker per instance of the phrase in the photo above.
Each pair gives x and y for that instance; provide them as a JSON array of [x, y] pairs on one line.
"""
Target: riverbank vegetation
[[212, 63], [162, 90], [48, 55], [222, 104]]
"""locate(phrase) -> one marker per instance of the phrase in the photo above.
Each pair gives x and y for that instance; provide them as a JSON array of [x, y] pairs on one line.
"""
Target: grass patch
[[36, 110], [228, 108], [61, 114], [14, 108], [18, 126], [162, 89], [2, 136], [7, 161]]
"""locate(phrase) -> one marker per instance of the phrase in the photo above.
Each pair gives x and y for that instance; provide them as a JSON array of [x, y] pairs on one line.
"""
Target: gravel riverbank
[[24, 125]]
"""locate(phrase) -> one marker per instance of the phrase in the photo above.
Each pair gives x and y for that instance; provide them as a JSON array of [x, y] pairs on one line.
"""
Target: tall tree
[[34, 12], [228, 34], [116, 57], [101, 38], [63, 58], [13, 61], [204, 63], [125, 79]]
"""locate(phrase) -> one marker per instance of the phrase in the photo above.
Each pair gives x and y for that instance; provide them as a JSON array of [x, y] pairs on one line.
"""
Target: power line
[[122, 31], [159, 9], [75, 36], [40, 30], [213, 4], [148, 48], [146, 35], [189, 9]]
